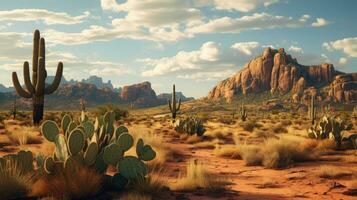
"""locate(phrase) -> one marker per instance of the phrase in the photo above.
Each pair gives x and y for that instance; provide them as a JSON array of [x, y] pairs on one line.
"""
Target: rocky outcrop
[[344, 88], [140, 94], [180, 95], [279, 72]]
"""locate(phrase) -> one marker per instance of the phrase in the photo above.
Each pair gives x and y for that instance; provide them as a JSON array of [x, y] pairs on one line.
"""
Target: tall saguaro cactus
[[37, 89], [312, 110], [173, 107]]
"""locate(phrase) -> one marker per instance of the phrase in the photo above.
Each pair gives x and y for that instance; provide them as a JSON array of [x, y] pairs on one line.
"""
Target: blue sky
[[192, 43]]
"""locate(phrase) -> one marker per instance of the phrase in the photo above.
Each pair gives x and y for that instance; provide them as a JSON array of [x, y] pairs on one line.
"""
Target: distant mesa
[[278, 72], [95, 92]]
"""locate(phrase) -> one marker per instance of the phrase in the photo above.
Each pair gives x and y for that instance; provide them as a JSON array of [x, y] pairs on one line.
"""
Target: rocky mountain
[[279, 72], [166, 96], [4, 89], [69, 94]]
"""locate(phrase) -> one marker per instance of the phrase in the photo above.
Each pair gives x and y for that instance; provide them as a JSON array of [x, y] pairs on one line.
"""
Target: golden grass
[[134, 196], [280, 153], [13, 182], [197, 177], [153, 184], [78, 183], [25, 135], [330, 172], [227, 151], [192, 139]]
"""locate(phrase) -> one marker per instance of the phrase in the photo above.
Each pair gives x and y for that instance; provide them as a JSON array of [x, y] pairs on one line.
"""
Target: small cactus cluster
[[96, 145], [191, 126], [312, 110], [243, 113], [332, 128], [173, 108], [23, 160]]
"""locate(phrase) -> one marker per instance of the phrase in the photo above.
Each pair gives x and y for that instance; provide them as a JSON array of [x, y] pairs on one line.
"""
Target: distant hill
[[280, 73], [68, 95]]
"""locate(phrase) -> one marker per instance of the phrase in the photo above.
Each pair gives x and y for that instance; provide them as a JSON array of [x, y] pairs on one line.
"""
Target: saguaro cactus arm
[[27, 79], [57, 80], [18, 87]]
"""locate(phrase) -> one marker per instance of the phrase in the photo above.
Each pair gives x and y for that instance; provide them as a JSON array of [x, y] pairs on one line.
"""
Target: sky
[[191, 43]]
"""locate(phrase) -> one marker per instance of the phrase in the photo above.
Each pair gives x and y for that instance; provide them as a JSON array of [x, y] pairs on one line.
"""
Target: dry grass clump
[[279, 128], [25, 135], [152, 185], [192, 139], [206, 144], [79, 182], [279, 153], [328, 172], [197, 177], [227, 151], [134, 196], [14, 183], [250, 125]]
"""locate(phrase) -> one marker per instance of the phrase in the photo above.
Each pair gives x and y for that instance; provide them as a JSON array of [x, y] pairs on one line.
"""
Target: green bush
[[190, 125], [119, 111]]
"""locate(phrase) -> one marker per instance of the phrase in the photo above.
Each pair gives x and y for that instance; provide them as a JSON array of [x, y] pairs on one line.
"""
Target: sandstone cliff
[[279, 72]]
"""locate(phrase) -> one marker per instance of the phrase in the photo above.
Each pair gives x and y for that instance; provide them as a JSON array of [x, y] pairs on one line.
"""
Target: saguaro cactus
[[312, 110], [36, 89], [173, 107], [243, 113]]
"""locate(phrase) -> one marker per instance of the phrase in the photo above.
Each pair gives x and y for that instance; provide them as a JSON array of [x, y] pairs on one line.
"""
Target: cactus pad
[[119, 181], [76, 141], [66, 120], [49, 165], [125, 141], [88, 129], [120, 130], [147, 153], [49, 130], [61, 148], [91, 153], [112, 154], [132, 168]]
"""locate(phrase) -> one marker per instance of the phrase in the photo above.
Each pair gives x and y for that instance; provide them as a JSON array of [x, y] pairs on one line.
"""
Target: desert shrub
[[197, 177], [119, 112], [326, 171], [190, 126], [279, 153], [250, 125], [226, 120], [16, 175], [279, 128], [79, 182]]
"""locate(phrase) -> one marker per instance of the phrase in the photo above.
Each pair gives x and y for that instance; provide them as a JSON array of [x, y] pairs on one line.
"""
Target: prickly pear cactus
[[190, 125], [331, 127], [98, 145]]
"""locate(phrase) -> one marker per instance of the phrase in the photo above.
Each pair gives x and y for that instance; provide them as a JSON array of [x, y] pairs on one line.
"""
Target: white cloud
[[183, 61], [237, 5], [48, 17], [342, 61], [245, 47], [256, 21], [208, 76], [347, 45], [320, 22], [296, 49]]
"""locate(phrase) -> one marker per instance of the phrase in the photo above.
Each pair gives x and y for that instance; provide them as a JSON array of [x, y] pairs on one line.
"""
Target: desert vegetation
[[199, 149]]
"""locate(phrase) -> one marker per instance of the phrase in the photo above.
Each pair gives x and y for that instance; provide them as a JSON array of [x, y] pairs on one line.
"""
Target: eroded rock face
[[139, 94], [344, 88], [279, 72]]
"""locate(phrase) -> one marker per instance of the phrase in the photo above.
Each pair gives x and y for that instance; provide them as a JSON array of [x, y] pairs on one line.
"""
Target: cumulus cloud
[[48, 17], [347, 45], [183, 61], [256, 21], [237, 5], [342, 61], [296, 49], [245, 47], [320, 22]]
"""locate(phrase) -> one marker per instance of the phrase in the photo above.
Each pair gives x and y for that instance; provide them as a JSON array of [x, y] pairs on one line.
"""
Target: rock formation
[[279, 72], [139, 94]]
